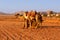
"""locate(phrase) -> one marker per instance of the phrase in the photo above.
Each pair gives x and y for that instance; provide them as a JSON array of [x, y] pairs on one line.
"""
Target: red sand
[[12, 30]]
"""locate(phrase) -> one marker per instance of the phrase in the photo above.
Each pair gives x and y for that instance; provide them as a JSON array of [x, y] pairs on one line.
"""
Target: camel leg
[[35, 26], [29, 23], [39, 25], [26, 24], [33, 23]]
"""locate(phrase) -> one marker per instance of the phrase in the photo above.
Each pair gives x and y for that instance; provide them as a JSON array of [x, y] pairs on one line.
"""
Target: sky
[[26, 5]]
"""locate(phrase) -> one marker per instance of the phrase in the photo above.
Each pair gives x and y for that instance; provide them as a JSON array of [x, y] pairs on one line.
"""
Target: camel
[[32, 18], [26, 20], [38, 20]]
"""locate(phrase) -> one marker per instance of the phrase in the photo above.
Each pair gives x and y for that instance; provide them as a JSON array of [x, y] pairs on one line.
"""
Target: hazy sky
[[39, 5]]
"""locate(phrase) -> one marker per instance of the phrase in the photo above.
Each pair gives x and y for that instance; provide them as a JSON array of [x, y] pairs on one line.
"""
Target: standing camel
[[26, 20], [38, 20]]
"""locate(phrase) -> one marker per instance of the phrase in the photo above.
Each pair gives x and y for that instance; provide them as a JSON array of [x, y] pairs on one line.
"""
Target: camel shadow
[[42, 27]]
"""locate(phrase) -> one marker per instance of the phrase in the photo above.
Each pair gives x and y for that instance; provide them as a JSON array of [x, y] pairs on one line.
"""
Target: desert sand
[[12, 29]]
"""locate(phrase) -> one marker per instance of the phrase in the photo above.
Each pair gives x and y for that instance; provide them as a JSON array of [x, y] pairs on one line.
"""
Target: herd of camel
[[32, 19]]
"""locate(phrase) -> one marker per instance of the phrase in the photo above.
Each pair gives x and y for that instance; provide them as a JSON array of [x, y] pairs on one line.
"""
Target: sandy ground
[[12, 29]]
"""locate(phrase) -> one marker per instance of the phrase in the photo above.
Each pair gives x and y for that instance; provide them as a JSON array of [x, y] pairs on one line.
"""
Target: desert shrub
[[45, 15], [58, 16]]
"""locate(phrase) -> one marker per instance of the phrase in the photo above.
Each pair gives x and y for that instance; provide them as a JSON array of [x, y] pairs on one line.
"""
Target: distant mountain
[[2, 13]]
